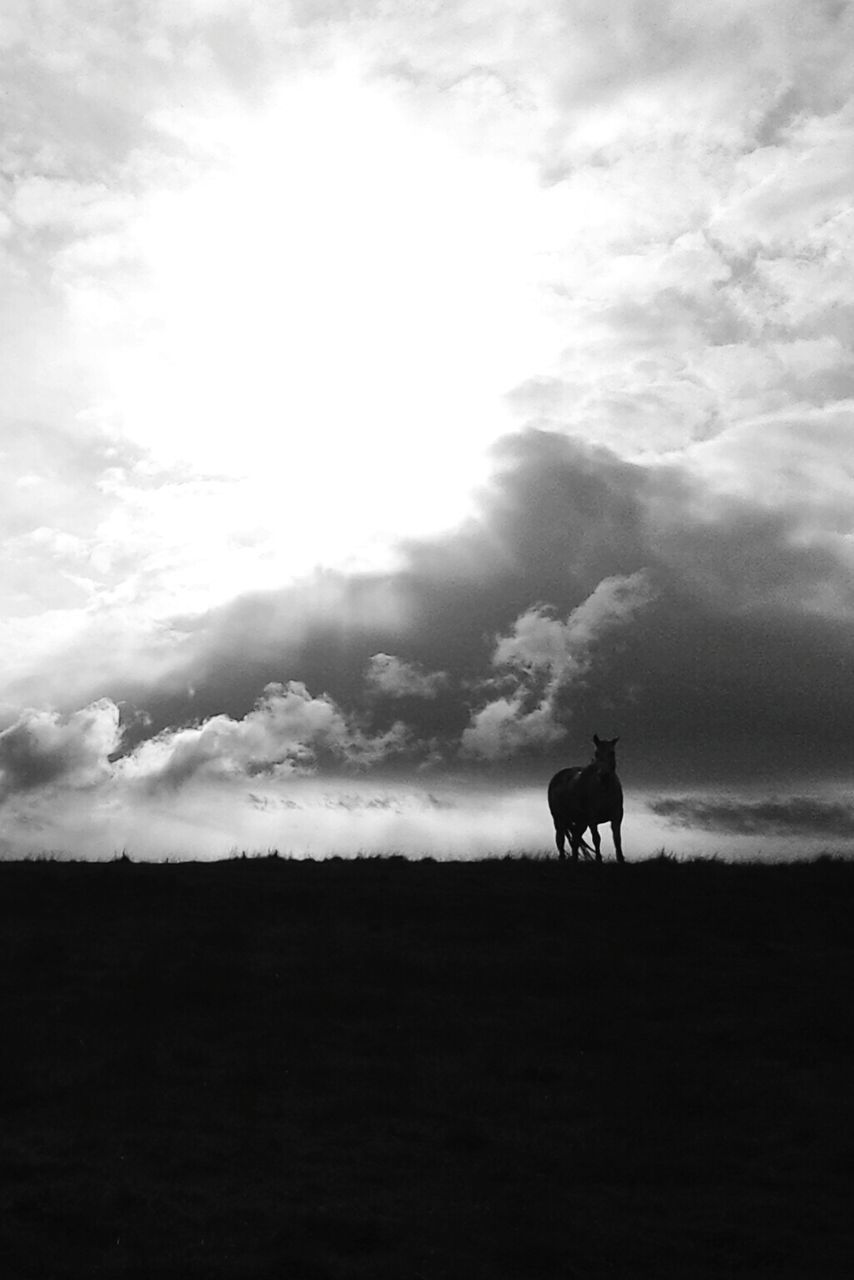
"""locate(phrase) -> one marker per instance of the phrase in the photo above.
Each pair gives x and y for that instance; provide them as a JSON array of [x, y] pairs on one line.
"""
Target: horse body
[[565, 807], [580, 798]]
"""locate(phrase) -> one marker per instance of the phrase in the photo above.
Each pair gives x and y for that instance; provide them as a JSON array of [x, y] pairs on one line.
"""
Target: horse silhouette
[[581, 798]]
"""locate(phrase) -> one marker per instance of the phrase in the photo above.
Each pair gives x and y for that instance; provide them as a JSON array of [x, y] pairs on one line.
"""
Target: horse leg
[[574, 842], [560, 836], [597, 841], [579, 844], [618, 843]]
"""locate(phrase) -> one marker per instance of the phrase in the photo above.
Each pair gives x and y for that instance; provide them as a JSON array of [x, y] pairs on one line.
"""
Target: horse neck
[[594, 777]]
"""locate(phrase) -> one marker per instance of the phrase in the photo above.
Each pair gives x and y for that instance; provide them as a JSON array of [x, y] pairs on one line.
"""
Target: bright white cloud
[[43, 748], [542, 644], [544, 656], [287, 731], [503, 727]]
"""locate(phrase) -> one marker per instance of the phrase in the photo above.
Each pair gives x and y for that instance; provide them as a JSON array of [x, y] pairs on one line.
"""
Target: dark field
[[419, 1070]]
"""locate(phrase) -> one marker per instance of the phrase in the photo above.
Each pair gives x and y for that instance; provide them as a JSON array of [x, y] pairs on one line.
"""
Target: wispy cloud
[[395, 678]]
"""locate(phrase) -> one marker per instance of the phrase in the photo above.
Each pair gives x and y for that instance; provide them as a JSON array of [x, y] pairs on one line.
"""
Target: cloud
[[395, 678], [544, 658], [795, 463], [805, 176], [753, 599], [542, 602], [108, 642], [541, 643], [503, 728], [288, 731], [266, 803], [43, 748], [389, 801], [792, 815], [548, 594], [756, 519], [686, 393], [742, 70]]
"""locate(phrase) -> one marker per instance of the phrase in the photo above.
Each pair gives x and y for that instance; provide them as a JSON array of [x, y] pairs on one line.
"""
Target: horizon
[[322, 820], [397, 399]]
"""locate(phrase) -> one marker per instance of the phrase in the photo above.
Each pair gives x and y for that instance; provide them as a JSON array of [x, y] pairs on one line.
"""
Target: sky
[[396, 395]]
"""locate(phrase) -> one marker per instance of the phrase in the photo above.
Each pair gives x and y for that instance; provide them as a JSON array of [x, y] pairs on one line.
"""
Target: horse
[[583, 797]]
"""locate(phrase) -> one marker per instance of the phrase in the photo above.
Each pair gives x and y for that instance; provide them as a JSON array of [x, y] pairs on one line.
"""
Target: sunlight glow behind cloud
[[329, 318]]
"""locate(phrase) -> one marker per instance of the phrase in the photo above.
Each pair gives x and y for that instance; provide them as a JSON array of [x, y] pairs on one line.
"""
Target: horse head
[[604, 757]]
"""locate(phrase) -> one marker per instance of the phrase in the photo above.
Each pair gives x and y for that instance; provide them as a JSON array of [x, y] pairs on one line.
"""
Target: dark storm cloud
[[732, 666], [734, 657], [795, 815]]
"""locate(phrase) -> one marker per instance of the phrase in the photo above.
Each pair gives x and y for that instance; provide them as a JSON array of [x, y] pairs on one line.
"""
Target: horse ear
[[616, 740], [596, 739]]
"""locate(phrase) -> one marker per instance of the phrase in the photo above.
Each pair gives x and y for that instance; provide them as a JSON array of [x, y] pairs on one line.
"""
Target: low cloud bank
[[796, 815], [298, 817]]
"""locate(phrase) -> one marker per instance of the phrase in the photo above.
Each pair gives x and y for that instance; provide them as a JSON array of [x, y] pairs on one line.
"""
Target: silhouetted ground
[[389, 1069]]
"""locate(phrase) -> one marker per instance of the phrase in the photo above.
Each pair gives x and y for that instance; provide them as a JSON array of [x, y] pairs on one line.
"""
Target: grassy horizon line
[[521, 857]]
